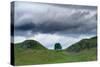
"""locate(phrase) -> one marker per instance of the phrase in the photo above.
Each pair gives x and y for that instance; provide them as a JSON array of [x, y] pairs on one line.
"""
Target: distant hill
[[83, 44], [31, 44]]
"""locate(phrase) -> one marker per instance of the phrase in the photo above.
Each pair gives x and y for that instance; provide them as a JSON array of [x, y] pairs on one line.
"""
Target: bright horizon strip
[[45, 40]]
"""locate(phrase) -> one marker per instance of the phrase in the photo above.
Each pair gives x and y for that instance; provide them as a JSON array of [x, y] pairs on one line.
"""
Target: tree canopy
[[57, 46]]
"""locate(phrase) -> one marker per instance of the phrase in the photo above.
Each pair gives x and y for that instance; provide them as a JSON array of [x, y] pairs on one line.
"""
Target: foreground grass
[[30, 57]]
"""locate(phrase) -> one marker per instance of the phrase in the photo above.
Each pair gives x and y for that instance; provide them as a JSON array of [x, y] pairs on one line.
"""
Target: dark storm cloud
[[32, 18]]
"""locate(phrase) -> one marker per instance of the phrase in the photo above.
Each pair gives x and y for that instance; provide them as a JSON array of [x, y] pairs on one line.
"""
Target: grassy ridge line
[[30, 44], [83, 44]]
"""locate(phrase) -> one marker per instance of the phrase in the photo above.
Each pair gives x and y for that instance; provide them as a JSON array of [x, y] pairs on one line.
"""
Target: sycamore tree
[[57, 46]]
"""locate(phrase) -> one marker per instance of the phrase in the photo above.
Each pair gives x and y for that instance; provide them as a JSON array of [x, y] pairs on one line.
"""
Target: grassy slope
[[29, 57], [40, 55], [83, 44]]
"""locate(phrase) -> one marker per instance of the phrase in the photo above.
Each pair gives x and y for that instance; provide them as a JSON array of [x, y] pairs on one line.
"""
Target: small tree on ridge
[[57, 46]]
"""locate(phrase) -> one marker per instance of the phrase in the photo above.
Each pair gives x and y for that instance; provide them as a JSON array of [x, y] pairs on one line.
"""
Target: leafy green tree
[[57, 46]]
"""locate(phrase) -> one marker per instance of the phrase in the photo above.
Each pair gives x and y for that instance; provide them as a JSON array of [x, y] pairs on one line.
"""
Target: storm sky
[[52, 23]]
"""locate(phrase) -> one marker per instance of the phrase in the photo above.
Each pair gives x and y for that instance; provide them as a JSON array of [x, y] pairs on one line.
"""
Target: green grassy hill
[[38, 54], [83, 44], [30, 44]]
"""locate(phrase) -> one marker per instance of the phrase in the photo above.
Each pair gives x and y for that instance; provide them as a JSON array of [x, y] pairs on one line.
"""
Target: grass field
[[31, 56]]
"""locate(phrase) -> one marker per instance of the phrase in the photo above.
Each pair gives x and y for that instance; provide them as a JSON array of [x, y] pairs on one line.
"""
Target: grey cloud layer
[[32, 18]]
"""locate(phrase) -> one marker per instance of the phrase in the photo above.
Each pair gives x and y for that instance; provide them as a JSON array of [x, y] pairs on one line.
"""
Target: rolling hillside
[[32, 52], [83, 44], [30, 44]]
